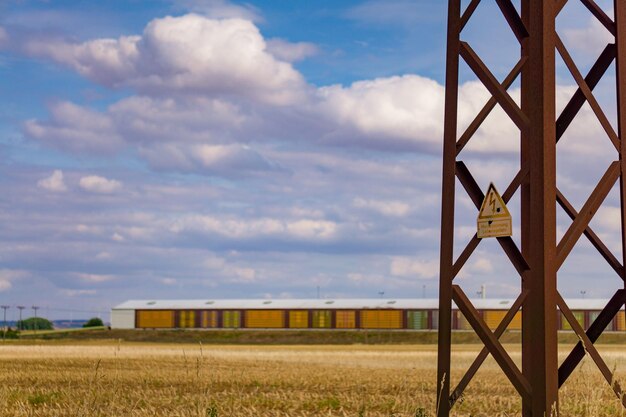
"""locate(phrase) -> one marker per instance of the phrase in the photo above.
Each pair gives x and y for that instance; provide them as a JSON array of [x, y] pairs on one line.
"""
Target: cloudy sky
[[216, 149]]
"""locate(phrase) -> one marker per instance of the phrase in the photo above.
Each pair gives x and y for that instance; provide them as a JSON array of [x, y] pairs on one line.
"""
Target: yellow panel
[[209, 319], [187, 318], [298, 319], [321, 319], [231, 319], [345, 319], [264, 319], [155, 318], [493, 318], [621, 321], [381, 319]]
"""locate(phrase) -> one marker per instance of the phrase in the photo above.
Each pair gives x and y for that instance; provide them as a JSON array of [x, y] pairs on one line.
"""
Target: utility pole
[[4, 320], [35, 308], [540, 256], [21, 326]]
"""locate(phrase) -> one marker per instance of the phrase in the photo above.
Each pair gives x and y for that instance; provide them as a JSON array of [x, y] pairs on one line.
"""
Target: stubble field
[[124, 379]]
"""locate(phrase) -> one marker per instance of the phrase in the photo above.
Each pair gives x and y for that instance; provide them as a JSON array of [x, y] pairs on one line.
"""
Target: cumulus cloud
[[8, 276], [94, 278], [54, 182], [592, 38], [100, 185], [291, 52], [77, 129], [224, 160], [410, 267], [310, 229], [221, 9], [189, 54], [387, 208]]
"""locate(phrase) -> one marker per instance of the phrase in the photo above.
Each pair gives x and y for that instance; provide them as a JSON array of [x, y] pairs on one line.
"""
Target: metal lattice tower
[[540, 256]]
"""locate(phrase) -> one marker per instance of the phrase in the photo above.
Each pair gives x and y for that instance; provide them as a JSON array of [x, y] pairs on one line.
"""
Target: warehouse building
[[398, 314]]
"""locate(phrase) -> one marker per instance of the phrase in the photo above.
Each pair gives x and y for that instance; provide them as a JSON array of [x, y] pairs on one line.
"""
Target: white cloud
[[221, 9], [290, 52], [78, 293], [225, 160], [387, 208], [95, 278], [188, 54], [253, 228], [8, 276], [395, 112], [77, 129], [100, 185], [410, 267], [590, 39], [54, 182]]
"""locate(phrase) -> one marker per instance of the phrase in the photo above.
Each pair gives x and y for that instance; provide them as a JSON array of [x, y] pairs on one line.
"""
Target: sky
[[264, 149]]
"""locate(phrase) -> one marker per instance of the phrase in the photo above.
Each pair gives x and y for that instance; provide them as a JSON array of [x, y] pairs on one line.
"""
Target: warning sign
[[494, 219]]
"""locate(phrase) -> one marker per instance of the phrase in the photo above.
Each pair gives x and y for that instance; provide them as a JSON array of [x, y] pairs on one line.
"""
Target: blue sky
[[215, 149]]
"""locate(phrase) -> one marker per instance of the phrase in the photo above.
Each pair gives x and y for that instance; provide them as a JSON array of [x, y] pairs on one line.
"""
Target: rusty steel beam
[[582, 85], [594, 75], [580, 224], [595, 10], [491, 343], [465, 255], [559, 6], [489, 106], [447, 209], [590, 234], [620, 81], [593, 333], [506, 320], [493, 86], [513, 19], [469, 11], [539, 325], [591, 349], [463, 172], [477, 196]]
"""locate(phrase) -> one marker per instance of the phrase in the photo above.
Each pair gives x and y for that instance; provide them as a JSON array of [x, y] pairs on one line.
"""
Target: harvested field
[[140, 379]]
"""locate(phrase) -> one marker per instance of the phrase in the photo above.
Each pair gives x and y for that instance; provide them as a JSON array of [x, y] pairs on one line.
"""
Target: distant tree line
[[35, 323]]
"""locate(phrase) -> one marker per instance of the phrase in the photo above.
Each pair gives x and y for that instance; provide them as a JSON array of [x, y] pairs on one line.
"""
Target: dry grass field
[[139, 379]]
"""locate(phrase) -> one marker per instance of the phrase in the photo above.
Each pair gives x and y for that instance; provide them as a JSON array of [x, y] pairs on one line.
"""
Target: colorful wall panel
[[381, 319], [265, 319], [155, 318], [345, 319], [298, 319]]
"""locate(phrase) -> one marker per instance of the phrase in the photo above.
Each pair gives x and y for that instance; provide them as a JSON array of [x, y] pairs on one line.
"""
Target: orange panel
[[155, 319], [345, 319], [381, 319]]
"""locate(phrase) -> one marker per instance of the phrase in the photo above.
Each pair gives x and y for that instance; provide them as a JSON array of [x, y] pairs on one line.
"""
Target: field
[[115, 378]]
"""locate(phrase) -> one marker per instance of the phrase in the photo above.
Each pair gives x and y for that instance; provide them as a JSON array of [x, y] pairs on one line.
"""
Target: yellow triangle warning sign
[[494, 218]]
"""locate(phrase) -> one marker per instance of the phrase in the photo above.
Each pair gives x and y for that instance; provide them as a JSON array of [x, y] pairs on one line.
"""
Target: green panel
[[321, 319], [417, 320], [231, 319]]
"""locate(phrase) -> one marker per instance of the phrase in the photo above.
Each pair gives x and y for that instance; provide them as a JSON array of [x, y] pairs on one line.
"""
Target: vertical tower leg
[[447, 210], [539, 322], [620, 78]]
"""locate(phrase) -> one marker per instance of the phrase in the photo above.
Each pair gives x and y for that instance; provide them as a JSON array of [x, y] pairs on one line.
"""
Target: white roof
[[334, 304]]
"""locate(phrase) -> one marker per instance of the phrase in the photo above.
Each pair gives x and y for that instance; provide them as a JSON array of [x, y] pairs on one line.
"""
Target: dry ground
[[125, 379]]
